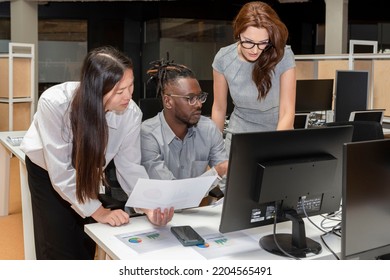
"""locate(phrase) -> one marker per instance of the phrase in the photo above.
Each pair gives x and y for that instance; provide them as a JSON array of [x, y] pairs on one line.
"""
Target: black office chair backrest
[[367, 115], [150, 107], [363, 130], [114, 196], [207, 86]]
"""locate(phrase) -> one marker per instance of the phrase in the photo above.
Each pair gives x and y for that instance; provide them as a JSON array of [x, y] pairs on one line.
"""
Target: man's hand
[[158, 217], [221, 168]]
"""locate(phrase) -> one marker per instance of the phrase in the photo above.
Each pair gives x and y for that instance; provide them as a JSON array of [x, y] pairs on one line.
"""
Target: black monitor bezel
[[314, 95], [366, 180], [301, 120], [351, 93]]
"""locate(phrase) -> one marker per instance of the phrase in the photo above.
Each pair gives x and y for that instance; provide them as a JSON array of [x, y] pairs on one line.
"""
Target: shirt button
[[182, 166]]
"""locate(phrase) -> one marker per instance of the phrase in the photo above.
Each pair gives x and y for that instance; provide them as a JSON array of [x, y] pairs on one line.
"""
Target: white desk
[[6, 152], [104, 236]]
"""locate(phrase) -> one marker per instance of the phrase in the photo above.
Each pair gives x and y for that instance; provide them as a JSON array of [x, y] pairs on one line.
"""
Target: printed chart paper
[[149, 240], [180, 194]]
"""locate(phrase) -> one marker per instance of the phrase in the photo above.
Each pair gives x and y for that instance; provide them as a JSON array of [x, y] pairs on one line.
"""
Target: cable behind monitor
[[296, 244]]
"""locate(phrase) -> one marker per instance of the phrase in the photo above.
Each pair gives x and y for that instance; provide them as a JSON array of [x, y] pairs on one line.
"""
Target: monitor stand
[[295, 244]]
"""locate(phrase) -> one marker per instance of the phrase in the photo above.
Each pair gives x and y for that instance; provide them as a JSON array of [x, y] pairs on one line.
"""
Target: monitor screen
[[351, 93], [276, 173], [314, 95], [366, 200]]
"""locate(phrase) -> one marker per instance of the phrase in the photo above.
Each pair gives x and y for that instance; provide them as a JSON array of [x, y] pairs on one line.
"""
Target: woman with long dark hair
[[79, 127]]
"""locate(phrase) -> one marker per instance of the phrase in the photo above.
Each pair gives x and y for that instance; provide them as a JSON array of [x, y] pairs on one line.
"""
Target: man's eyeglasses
[[261, 46], [192, 99]]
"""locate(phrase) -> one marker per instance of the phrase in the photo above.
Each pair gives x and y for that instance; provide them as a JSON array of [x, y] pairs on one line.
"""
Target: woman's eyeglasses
[[261, 46], [193, 98]]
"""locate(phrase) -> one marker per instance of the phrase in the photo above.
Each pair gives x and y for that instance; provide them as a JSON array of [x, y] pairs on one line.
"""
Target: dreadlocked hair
[[164, 72]]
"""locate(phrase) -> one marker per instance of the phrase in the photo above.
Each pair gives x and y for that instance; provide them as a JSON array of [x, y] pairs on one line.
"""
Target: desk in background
[[6, 152], [386, 132], [198, 218]]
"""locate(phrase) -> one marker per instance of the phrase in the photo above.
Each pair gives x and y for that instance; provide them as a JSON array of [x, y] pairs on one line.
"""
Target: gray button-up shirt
[[166, 156]]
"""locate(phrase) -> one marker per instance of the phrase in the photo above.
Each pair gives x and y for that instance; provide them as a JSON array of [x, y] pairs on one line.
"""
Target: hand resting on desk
[[119, 217], [112, 217]]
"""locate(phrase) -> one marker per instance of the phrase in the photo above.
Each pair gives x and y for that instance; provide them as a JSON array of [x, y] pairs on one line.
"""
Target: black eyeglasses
[[192, 99], [261, 46]]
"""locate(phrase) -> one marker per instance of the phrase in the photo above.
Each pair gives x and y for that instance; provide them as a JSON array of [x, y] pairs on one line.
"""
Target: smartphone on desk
[[187, 235]]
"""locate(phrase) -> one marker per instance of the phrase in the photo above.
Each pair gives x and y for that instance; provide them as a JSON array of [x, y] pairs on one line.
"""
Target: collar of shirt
[[114, 118], [169, 134]]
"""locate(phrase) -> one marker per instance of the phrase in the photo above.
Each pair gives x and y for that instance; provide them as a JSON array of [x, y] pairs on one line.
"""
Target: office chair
[[362, 130], [207, 86], [150, 107], [114, 196], [367, 115]]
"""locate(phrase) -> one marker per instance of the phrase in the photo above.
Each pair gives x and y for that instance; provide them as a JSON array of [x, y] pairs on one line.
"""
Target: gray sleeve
[[288, 60], [217, 62], [153, 156], [218, 153]]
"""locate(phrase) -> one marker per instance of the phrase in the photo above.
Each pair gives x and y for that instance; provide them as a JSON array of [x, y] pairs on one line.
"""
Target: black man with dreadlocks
[[180, 143]]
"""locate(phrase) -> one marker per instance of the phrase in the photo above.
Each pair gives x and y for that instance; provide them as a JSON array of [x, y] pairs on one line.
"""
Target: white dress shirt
[[48, 143]]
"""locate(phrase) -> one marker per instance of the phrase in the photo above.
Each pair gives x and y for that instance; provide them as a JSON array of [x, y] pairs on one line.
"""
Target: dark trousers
[[58, 229]]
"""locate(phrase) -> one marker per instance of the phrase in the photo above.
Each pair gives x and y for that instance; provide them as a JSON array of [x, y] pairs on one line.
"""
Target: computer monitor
[[314, 95], [351, 93], [301, 120], [366, 201], [275, 173], [375, 115]]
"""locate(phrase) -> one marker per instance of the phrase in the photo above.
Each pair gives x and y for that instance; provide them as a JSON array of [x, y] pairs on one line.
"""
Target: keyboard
[[15, 141]]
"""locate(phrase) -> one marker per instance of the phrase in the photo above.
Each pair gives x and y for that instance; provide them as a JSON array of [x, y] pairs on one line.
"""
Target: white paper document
[[149, 240], [180, 194]]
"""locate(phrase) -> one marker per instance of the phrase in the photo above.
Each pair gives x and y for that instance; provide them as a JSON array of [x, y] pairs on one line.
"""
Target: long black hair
[[102, 69]]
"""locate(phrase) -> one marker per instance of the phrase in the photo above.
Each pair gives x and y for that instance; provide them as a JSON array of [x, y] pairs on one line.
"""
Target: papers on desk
[[148, 241], [216, 244], [180, 194], [219, 245]]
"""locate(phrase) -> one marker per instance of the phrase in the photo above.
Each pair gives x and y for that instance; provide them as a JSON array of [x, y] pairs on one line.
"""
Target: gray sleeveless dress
[[250, 114]]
